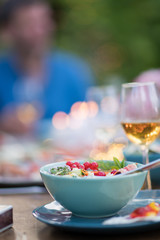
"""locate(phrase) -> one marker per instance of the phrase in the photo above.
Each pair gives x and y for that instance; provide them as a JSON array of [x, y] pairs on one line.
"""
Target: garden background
[[119, 38]]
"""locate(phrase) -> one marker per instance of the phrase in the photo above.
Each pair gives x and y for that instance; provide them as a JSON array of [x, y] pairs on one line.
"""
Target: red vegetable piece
[[100, 174], [81, 167], [69, 163], [140, 212], [77, 164], [73, 166], [86, 165], [113, 171], [94, 166]]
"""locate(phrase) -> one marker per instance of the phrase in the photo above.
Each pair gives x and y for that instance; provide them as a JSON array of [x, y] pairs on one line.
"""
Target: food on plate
[[27, 171], [23, 160], [95, 196], [8, 169], [93, 168], [151, 210]]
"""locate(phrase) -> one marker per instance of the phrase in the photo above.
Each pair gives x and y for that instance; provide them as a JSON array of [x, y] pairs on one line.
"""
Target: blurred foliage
[[116, 37]]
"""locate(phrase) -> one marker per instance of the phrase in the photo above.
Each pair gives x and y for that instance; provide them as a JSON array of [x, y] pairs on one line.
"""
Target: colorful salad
[[93, 168]]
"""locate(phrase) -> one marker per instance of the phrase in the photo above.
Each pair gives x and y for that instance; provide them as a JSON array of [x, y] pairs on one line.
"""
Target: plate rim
[[138, 226]]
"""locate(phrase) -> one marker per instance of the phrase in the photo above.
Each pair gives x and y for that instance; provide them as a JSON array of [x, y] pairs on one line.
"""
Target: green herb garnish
[[109, 165], [60, 171], [117, 163], [53, 171], [123, 163]]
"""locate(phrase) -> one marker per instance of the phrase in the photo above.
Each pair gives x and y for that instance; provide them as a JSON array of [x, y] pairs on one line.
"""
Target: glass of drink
[[140, 116]]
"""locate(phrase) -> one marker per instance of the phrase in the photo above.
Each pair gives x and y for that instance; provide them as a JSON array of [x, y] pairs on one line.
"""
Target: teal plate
[[55, 215]]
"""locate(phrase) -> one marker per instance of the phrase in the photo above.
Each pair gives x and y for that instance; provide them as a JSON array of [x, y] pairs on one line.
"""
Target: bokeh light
[[109, 105], [93, 109], [61, 120], [79, 110], [27, 113]]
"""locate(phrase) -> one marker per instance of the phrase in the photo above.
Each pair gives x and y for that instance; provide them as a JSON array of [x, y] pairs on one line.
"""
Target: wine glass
[[140, 116]]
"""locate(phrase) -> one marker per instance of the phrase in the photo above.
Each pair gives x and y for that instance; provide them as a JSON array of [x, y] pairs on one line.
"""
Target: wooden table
[[26, 227]]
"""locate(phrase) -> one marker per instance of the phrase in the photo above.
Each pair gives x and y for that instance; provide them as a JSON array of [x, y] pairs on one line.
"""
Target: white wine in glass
[[140, 116]]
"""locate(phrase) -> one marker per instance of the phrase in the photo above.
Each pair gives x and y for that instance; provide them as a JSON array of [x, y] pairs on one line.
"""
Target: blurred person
[[152, 75], [35, 82]]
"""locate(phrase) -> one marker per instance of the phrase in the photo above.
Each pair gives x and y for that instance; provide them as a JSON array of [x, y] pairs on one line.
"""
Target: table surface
[[26, 227]]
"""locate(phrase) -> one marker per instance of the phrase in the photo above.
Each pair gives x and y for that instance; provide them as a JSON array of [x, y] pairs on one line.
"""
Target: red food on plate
[[152, 209]]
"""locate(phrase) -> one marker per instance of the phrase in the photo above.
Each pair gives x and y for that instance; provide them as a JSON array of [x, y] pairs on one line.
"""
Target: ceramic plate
[[55, 215]]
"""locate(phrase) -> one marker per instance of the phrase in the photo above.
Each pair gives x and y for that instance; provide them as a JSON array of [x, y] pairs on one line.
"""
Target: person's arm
[[10, 123]]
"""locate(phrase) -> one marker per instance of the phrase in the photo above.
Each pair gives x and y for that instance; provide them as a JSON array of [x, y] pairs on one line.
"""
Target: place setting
[[91, 203], [79, 120], [105, 195], [100, 188]]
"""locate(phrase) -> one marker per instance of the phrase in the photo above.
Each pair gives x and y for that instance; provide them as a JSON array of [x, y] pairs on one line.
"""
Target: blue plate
[[55, 215], [155, 173]]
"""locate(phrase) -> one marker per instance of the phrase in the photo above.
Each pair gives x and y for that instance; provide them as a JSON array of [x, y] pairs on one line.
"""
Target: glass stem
[[147, 183], [145, 154]]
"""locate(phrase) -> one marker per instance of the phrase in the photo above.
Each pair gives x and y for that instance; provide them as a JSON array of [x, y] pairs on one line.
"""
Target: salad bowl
[[92, 197]]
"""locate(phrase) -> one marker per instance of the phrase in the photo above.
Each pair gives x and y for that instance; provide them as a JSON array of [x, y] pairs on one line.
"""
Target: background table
[[26, 227]]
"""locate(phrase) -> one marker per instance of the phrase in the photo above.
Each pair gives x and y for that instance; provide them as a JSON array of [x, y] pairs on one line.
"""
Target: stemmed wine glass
[[140, 116]]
